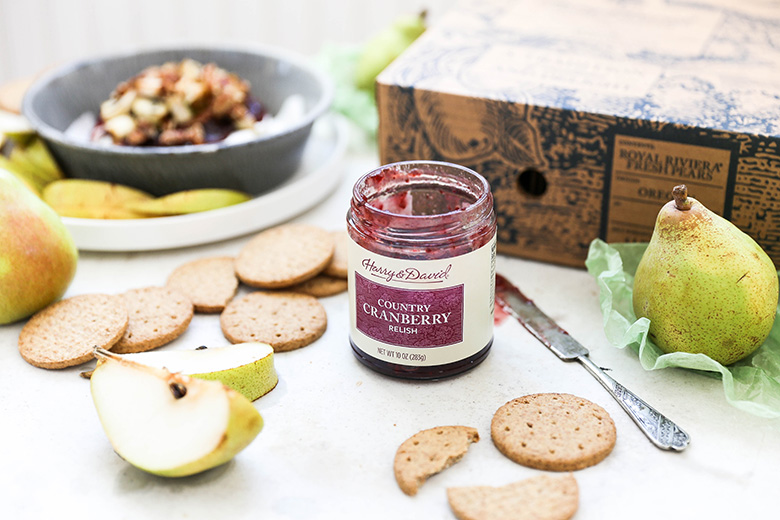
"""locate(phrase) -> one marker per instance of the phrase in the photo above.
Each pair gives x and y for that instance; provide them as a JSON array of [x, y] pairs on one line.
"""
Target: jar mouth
[[470, 192]]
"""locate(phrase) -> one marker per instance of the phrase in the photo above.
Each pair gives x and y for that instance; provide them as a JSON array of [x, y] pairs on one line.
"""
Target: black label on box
[[644, 171]]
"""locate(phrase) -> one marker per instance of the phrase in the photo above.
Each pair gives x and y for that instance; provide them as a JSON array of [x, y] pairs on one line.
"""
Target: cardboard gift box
[[584, 115]]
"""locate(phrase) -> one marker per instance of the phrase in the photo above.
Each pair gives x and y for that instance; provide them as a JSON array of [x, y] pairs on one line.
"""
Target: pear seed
[[178, 390]]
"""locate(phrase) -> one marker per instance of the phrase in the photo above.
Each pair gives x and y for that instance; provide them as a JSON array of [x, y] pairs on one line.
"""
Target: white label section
[[421, 312]]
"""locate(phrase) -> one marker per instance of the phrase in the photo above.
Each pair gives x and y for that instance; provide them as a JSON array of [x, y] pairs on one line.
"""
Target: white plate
[[315, 179]]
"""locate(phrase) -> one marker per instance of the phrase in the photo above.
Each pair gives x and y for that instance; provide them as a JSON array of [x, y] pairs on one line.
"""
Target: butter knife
[[661, 431]]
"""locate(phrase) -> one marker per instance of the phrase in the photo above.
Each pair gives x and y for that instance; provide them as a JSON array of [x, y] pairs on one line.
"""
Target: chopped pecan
[[194, 134]]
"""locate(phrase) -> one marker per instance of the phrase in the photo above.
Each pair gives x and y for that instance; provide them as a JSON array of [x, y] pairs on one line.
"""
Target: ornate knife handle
[[661, 431]]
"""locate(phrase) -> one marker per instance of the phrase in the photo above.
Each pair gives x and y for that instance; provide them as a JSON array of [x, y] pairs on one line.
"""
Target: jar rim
[[484, 195]]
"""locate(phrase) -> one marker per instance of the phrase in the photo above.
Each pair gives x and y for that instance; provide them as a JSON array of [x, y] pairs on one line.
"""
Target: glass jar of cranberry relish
[[422, 254]]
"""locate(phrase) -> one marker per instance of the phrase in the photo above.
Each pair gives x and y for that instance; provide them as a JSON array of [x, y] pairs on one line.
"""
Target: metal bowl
[[256, 166]]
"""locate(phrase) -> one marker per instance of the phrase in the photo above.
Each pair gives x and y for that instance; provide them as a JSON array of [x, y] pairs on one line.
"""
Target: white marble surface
[[332, 425]]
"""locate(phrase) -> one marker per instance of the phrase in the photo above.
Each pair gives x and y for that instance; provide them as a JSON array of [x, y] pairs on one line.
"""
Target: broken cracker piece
[[428, 452], [544, 497]]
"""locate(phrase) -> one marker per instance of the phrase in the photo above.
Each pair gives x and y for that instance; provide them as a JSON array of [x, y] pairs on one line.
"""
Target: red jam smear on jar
[[404, 215]]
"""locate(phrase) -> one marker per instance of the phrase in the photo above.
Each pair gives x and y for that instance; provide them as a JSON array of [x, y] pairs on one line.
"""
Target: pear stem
[[103, 353], [681, 200]]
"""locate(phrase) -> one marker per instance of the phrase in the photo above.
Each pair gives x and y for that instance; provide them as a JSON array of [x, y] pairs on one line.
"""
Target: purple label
[[407, 317]]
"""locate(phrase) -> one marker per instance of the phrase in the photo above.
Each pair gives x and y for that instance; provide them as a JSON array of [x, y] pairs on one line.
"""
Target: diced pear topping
[[147, 110], [171, 103], [193, 91], [181, 111], [120, 126], [119, 106], [190, 69], [150, 85]]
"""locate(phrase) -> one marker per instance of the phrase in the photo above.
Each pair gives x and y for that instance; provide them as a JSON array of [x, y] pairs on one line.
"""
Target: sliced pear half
[[14, 125], [245, 367], [189, 201], [170, 424], [87, 198]]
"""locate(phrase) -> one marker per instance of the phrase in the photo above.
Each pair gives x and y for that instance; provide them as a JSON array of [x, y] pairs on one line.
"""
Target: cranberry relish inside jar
[[421, 269]]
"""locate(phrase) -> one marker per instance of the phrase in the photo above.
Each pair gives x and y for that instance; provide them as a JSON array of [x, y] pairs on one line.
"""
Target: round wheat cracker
[[338, 267], [284, 255], [12, 93], [285, 320], [321, 286], [554, 432], [66, 333], [158, 315], [209, 282]]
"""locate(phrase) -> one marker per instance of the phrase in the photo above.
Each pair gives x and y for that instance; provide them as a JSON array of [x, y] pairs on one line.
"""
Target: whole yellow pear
[[37, 254], [706, 286]]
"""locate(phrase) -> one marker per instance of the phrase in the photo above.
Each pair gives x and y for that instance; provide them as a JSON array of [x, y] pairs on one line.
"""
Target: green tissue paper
[[358, 105], [752, 384]]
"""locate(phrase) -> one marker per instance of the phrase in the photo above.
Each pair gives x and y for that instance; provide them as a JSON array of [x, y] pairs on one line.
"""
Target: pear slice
[[245, 367], [34, 156], [31, 162], [189, 201], [85, 198], [169, 424], [15, 126], [27, 177]]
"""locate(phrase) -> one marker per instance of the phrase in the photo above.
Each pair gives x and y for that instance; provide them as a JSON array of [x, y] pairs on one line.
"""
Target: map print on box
[[584, 115]]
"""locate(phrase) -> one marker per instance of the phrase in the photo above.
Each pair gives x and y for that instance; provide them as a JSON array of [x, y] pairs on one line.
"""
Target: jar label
[[409, 317], [421, 312]]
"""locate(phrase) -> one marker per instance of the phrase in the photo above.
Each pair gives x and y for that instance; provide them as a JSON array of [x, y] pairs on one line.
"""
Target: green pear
[[37, 254], [386, 46], [86, 198], [189, 201], [245, 367], [170, 424], [705, 286]]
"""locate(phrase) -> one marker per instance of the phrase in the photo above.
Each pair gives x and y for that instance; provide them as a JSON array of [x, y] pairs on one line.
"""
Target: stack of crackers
[[288, 267]]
